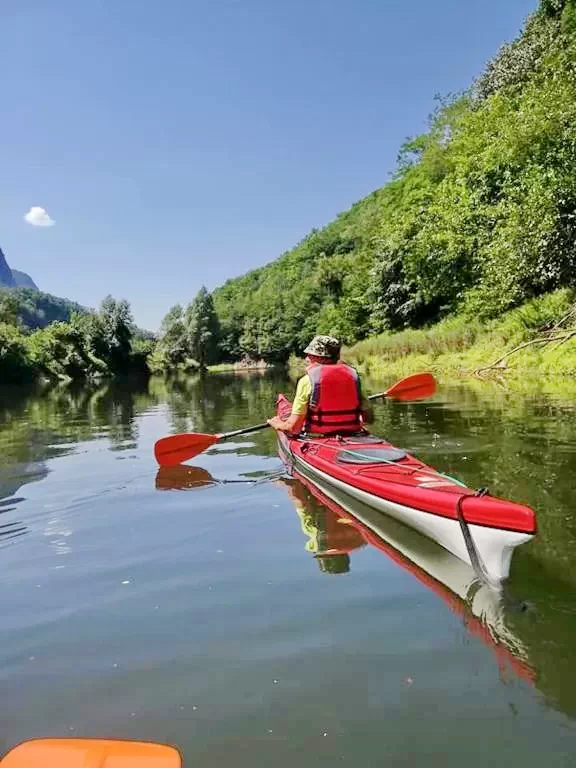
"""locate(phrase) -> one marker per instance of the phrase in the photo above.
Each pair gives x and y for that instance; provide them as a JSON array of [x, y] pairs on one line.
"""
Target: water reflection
[[342, 524], [521, 445], [183, 477], [42, 424], [45, 424], [335, 526], [330, 537], [530, 628], [199, 403], [15, 528], [187, 477]]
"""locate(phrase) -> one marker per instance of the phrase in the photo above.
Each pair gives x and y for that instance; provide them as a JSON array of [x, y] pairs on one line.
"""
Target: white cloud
[[38, 217]]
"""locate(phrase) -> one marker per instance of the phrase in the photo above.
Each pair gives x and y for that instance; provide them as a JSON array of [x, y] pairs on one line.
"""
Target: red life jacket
[[335, 403]]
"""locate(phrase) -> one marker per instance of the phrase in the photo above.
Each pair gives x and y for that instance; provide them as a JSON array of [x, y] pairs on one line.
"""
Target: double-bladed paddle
[[175, 449]]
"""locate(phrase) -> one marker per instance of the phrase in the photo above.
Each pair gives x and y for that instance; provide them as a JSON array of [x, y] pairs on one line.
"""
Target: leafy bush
[[89, 345], [15, 363]]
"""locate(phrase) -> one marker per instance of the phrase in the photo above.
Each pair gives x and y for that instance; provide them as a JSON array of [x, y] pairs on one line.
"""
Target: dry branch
[[560, 337]]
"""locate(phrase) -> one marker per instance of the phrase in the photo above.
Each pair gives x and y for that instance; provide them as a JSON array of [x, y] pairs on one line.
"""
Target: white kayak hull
[[494, 545]]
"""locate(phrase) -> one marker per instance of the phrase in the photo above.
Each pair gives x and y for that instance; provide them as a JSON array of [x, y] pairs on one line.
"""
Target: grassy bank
[[240, 367], [532, 338], [460, 347]]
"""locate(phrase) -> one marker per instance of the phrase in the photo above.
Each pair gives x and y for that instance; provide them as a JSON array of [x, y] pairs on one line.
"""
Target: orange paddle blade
[[414, 387], [91, 753], [175, 449]]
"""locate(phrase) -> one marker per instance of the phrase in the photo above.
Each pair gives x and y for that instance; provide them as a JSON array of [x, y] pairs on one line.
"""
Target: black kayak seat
[[370, 455]]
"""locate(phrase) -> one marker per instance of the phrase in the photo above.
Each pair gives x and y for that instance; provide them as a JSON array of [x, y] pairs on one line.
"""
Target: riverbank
[[537, 338], [240, 367]]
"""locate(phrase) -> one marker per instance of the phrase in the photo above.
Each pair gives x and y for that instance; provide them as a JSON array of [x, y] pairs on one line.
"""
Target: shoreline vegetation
[[537, 337], [464, 264], [534, 341], [242, 366]]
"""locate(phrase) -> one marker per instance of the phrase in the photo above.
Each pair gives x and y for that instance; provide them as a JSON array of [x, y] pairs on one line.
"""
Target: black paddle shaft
[[244, 431]]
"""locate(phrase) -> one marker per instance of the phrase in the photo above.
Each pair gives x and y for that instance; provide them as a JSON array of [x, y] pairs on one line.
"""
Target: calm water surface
[[248, 623]]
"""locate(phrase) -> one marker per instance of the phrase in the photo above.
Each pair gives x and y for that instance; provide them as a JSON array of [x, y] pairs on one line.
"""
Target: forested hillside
[[36, 309], [479, 217]]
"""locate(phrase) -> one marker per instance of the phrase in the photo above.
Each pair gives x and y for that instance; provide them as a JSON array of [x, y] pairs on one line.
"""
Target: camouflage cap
[[323, 346]]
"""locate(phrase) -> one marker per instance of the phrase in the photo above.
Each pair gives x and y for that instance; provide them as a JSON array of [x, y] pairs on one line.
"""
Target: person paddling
[[328, 397]]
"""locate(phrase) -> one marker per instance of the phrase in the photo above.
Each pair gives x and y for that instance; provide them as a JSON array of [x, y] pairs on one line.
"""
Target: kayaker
[[328, 397]]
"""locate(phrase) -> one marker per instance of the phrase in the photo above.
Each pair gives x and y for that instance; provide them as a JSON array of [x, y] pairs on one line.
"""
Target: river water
[[249, 624]]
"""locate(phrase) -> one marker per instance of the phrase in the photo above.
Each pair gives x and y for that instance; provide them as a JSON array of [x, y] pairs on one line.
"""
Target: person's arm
[[297, 418], [293, 423]]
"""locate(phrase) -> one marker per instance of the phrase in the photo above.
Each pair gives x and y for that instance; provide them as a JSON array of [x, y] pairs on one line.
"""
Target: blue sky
[[183, 142]]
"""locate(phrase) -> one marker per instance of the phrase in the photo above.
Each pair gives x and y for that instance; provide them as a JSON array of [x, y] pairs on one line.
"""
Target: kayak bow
[[91, 753]]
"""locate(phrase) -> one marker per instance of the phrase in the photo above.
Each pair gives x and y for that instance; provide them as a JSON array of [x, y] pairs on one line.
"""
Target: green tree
[[117, 329], [15, 363], [58, 351], [9, 307], [202, 329], [171, 350]]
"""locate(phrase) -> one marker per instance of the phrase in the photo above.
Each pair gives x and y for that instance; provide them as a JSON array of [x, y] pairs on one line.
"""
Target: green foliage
[[515, 62], [552, 8], [319, 287], [453, 335], [188, 339], [171, 350], [57, 351], [9, 307], [568, 18], [202, 329], [15, 363], [88, 346], [459, 345], [114, 330]]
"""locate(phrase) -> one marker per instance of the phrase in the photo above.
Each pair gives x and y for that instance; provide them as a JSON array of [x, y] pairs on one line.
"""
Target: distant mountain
[[35, 309], [22, 280], [13, 278], [6, 277]]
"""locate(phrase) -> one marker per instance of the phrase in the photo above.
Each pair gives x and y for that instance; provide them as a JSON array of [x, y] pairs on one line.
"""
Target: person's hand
[[274, 422]]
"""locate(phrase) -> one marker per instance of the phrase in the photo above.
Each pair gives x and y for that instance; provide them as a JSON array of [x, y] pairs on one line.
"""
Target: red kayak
[[480, 529]]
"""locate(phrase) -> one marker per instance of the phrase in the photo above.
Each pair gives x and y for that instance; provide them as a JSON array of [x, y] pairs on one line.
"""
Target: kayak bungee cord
[[473, 554]]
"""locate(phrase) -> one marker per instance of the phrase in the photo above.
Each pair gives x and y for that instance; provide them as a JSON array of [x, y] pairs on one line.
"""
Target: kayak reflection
[[337, 524]]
